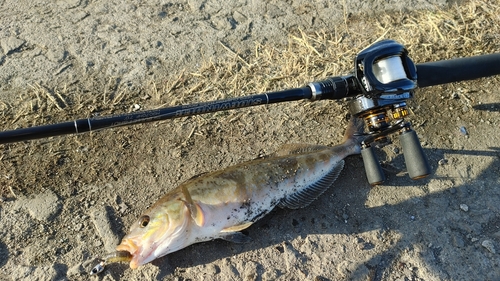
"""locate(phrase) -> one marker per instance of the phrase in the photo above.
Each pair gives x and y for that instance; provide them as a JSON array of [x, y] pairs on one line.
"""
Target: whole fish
[[222, 203]]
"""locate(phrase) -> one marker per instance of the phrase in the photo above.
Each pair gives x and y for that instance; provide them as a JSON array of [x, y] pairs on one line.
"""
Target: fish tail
[[354, 135]]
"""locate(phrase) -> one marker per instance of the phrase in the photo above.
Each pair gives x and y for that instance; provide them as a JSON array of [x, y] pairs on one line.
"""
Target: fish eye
[[144, 220]]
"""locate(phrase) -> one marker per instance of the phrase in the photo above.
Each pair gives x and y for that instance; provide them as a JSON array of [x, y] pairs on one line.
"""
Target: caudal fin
[[355, 130], [354, 135]]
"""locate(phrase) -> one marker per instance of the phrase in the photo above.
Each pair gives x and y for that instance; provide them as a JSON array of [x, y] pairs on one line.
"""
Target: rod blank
[[99, 123]]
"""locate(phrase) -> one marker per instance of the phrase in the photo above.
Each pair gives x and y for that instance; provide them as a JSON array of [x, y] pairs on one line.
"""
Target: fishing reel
[[387, 78]]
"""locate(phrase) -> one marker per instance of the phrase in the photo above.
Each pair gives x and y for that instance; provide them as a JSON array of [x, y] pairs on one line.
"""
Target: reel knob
[[373, 170], [416, 162]]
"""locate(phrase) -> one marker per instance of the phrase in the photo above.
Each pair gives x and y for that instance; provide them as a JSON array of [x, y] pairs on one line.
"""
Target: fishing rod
[[384, 78]]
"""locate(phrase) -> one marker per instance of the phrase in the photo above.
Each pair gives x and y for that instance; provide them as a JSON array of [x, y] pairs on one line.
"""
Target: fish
[[220, 204]]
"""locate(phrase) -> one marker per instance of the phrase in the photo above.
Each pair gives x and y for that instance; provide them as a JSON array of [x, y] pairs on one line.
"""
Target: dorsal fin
[[296, 148], [196, 176], [308, 194]]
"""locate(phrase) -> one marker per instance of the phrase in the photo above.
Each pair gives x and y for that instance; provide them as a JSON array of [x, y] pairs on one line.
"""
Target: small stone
[[78, 227], [488, 244], [463, 131], [443, 162], [11, 44], [454, 96], [239, 17], [122, 207], [136, 107], [464, 207]]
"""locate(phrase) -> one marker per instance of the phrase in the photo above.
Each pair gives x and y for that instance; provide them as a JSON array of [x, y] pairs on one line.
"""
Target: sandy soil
[[67, 200]]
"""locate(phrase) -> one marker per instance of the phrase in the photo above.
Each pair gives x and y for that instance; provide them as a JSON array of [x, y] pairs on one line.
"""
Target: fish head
[[159, 231]]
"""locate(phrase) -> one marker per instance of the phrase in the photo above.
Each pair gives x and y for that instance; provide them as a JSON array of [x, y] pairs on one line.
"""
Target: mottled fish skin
[[221, 203]]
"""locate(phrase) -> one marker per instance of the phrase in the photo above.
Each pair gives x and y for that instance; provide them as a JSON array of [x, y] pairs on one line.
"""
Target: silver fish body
[[222, 203]]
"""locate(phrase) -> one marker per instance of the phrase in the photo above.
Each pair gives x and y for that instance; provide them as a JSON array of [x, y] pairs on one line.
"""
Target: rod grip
[[455, 70]]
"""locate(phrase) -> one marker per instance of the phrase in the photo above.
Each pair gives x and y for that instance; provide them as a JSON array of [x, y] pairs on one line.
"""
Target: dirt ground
[[67, 200]]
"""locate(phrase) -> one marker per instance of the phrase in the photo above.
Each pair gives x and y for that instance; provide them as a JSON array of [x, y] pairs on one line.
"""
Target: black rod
[[455, 70], [97, 123]]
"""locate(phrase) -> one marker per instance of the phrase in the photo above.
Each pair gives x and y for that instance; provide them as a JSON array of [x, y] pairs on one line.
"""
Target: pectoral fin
[[194, 209], [304, 197], [232, 233], [236, 237], [238, 227]]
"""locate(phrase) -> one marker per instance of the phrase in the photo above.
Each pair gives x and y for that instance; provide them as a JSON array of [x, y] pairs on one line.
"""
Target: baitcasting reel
[[387, 78]]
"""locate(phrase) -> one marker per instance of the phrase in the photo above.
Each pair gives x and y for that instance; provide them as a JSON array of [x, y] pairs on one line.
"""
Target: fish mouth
[[139, 254]]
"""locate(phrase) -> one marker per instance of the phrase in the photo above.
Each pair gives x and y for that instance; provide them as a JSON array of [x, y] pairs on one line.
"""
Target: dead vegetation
[[466, 30]]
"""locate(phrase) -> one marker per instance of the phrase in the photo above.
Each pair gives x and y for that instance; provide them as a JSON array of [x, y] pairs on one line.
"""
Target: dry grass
[[466, 30], [470, 29]]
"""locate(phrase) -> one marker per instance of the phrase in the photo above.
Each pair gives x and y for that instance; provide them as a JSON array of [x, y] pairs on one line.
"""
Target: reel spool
[[387, 78]]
